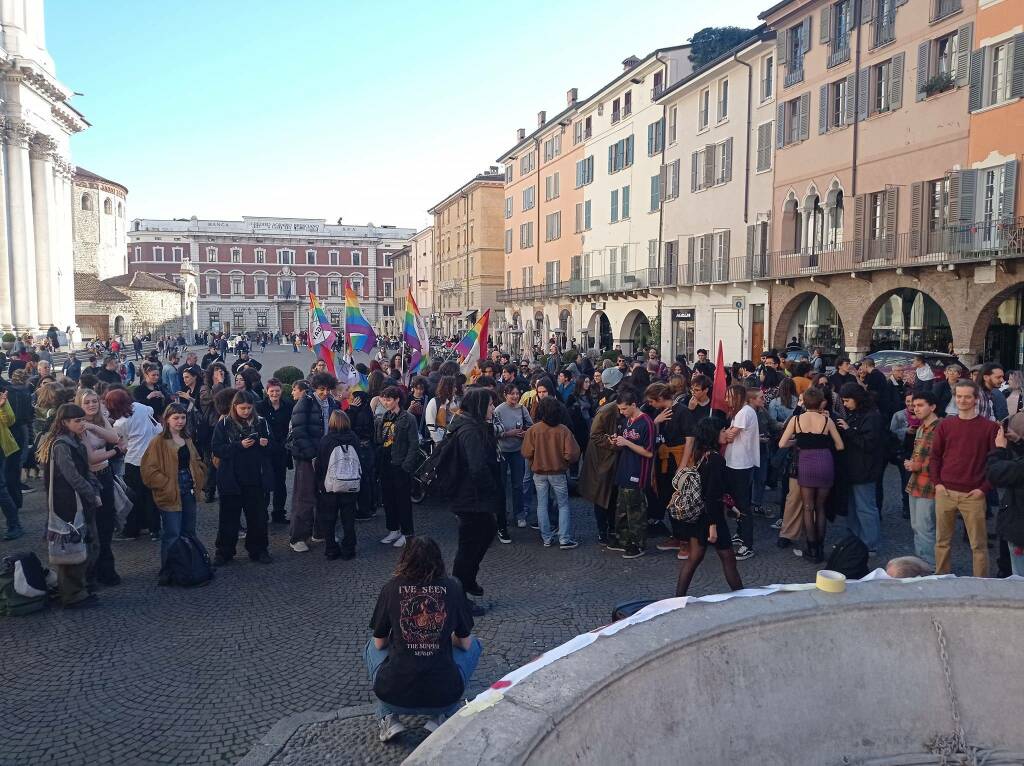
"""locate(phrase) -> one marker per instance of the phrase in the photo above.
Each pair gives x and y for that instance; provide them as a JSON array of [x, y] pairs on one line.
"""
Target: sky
[[368, 111]]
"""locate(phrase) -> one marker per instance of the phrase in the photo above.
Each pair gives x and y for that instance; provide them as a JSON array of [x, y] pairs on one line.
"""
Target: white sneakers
[[390, 727], [434, 723], [299, 546], [391, 538]]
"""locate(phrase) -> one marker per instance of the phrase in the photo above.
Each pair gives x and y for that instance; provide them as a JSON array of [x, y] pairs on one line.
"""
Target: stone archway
[[905, 318], [119, 325], [978, 342], [599, 331], [635, 333], [798, 304]]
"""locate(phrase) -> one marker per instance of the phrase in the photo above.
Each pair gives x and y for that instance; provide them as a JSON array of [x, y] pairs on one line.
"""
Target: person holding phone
[[241, 443]]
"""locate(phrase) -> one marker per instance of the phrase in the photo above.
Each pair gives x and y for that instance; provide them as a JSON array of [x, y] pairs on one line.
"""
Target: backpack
[[187, 564], [438, 475], [687, 502], [344, 472], [850, 557], [23, 585]]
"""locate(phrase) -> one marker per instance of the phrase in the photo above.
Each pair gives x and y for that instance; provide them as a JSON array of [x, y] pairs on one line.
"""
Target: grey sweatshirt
[[507, 418]]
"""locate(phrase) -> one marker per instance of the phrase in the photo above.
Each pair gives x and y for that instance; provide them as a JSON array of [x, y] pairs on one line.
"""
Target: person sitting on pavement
[[422, 653]]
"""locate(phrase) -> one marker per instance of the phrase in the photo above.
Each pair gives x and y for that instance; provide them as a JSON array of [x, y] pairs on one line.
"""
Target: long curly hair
[[421, 561]]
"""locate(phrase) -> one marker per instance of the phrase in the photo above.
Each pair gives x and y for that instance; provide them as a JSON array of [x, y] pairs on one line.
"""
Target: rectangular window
[[529, 197], [767, 77], [508, 240], [176, 253], [238, 318], [837, 104], [261, 318], [357, 287], [527, 163], [261, 285], [620, 155], [624, 198], [551, 187], [508, 174], [286, 257], [211, 255], [357, 256], [311, 257], [655, 193], [527, 276], [261, 255], [704, 109], [286, 287], [881, 75], [884, 22], [627, 103], [311, 287], [553, 226], [673, 117], [158, 253], [723, 99], [526, 235], [616, 111], [553, 147], [672, 186], [236, 255], [336, 319], [659, 86], [389, 288], [236, 285], [614, 206], [334, 288], [214, 320], [584, 171], [333, 258], [796, 46], [999, 80], [655, 137], [876, 215], [946, 53], [508, 207], [212, 285], [792, 126], [138, 253], [938, 204], [764, 147]]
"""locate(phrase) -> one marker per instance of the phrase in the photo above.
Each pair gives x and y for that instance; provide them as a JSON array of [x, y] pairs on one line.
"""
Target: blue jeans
[[922, 521], [559, 485], [863, 519], [174, 524], [512, 471], [466, 661]]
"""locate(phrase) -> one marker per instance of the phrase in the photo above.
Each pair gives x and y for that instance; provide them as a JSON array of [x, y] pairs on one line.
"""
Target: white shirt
[[745, 451], [138, 430]]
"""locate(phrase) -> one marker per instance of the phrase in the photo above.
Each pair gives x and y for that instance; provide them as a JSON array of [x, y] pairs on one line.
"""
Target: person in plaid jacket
[[920, 486]]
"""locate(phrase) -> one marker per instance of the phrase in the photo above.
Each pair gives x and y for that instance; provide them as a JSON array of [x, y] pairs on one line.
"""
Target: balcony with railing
[[446, 285], [620, 282], [885, 33], [794, 75], [839, 52], [534, 292]]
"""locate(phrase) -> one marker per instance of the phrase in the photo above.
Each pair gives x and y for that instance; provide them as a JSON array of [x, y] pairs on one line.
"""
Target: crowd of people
[[657, 454]]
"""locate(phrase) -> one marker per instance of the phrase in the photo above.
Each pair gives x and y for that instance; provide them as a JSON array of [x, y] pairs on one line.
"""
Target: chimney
[[542, 117], [520, 134], [492, 170], [571, 96], [629, 62]]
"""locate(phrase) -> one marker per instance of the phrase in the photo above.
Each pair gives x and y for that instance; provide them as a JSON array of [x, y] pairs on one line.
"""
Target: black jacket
[[278, 420], [864, 446], [227, 447], [480, 490], [943, 395], [1005, 470], [141, 391], [405, 449], [307, 426], [327, 445]]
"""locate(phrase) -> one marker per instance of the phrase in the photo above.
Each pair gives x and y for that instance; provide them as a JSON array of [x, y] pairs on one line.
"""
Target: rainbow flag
[[359, 336], [415, 336], [473, 346], [321, 333]]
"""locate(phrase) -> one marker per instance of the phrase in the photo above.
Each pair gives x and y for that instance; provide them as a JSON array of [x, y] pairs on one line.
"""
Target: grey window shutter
[[709, 244], [805, 116], [900, 2], [975, 100], [611, 158], [891, 207], [709, 166], [822, 110], [896, 84], [858, 228], [693, 172], [850, 112], [964, 42], [1017, 83], [751, 233], [629, 150], [663, 183], [727, 243], [728, 160], [954, 197], [916, 218], [825, 25], [807, 34], [968, 195], [867, 11], [650, 139], [1008, 195], [923, 52], [862, 94], [780, 47], [780, 125]]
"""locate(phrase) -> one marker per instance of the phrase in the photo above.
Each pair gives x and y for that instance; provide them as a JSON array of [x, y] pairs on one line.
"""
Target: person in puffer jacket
[[396, 435], [1004, 469]]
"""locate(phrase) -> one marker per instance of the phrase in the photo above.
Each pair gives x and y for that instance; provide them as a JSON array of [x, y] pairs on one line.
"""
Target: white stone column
[[61, 250], [21, 226], [42, 211], [6, 315]]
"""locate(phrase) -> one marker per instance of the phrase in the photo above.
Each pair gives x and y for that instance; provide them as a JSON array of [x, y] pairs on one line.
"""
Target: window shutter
[[858, 228], [954, 196], [625, 202], [709, 244], [663, 182], [968, 195], [964, 43], [805, 116], [629, 150], [806, 41], [977, 71], [693, 171], [726, 244], [650, 139], [923, 51], [867, 11], [780, 125], [850, 108], [825, 24], [676, 169], [690, 273], [823, 110], [916, 218], [764, 138], [728, 160], [1017, 83], [862, 94], [780, 47], [900, 2], [896, 84], [611, 158], [709, 166], [751, 235], [891, 202], [1008, 196]]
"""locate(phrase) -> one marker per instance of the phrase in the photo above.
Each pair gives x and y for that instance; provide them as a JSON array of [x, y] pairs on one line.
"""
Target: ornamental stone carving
[[18, 132]]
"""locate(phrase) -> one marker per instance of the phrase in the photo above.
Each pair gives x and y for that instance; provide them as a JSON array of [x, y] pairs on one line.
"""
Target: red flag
[[718, 401]]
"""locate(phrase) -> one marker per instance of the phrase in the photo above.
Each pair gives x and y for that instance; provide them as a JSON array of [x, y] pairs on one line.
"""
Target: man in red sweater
[[957, 466]]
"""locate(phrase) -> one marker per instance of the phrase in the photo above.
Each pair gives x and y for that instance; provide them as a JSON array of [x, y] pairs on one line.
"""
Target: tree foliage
[[711, 42]]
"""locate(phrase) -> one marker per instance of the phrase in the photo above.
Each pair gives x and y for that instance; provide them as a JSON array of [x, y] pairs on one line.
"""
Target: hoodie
[[481, 491]]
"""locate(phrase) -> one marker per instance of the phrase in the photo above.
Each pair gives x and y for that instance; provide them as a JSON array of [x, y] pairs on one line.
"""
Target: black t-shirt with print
[[419, 621]]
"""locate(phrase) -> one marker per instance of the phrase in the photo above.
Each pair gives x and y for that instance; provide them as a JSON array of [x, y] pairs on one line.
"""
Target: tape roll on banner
[[831, 581]]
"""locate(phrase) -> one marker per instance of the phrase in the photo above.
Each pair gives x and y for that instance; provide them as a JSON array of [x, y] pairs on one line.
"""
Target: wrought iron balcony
[[839, 54], [794, 76], [534, 292]]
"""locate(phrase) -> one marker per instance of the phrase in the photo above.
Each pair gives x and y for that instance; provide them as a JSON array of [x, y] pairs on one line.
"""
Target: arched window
[[835, 222], [817, 225], [86, 202], [108, 207]]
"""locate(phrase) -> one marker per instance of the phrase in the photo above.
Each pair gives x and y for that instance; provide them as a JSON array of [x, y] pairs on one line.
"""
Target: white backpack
[[344, 473]]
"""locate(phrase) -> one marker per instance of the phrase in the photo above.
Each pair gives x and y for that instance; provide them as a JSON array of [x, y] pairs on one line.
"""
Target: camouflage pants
[[631, 517]]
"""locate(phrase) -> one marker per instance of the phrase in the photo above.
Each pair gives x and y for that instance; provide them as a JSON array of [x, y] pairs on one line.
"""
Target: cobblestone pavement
[[172, 676]]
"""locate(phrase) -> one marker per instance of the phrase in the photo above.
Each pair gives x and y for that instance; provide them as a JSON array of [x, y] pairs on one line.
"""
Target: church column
[[42, 211], [62, 249], [21, 225], [6, 316]]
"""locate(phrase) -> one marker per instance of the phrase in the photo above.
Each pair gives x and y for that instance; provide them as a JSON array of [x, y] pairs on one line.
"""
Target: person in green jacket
[[9, 447]]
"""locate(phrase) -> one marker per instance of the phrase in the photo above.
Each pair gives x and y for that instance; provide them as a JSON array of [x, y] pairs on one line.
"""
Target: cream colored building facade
[[421, 267], [468, 256]]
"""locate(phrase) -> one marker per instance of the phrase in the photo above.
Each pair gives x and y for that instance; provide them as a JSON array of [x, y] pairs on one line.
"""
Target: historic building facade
[[255, 275], [36, 124], [421, 274]]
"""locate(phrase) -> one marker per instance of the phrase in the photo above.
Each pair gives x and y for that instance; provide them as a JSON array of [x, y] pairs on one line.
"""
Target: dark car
[[829, 357], [886, 360]]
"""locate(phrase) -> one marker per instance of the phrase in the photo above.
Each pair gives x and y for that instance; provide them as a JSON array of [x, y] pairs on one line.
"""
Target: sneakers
[[434, 723], [683, 553], [521, 523], [743, 553], [736, 538], [569, 545], [669, 544], [777, 524], [614, 544], [548, 543], [14, 533], [503, 536], [391, 537], [633, 552], [315, 539], [535, 525], [399, 542], [299, 546], [389, 727]]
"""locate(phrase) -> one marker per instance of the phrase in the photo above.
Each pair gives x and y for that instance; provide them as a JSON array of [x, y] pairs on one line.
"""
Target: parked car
[[829, 357], [886, 360]]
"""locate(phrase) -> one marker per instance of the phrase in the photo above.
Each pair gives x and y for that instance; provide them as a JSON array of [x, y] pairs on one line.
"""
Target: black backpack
[[438, 475], [850, 557], [187, 565]]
